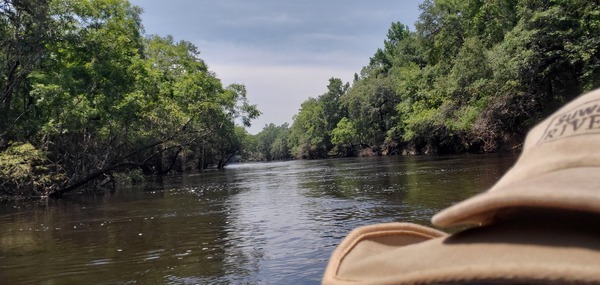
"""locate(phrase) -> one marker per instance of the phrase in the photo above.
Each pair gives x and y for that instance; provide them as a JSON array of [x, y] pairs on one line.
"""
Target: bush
[[26, 172]]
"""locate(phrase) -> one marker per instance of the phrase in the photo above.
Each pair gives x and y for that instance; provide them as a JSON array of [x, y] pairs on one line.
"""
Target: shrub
[[26, 172]]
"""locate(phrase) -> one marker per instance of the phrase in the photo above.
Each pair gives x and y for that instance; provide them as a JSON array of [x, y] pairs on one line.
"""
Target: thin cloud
[[228, 53], [279, 90], [283, 51], [320, 36], [260, 20]]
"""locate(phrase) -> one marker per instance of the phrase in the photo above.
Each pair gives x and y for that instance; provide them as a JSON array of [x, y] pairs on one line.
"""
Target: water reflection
[[252, 223]]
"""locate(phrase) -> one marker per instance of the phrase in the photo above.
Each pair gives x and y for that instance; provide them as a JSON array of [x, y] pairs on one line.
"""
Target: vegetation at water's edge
[[473, 77], [86, 96]]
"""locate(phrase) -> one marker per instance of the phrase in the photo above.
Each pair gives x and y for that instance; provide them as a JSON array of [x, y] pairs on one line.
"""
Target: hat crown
[[576, 119], [556, 169], [568, 138]]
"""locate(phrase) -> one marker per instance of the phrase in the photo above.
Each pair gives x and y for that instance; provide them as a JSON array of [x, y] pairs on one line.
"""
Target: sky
[[283, 51]]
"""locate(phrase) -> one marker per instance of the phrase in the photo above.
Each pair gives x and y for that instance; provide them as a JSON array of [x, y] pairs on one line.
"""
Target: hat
[[558, 168], [540, 248], [537, 224]]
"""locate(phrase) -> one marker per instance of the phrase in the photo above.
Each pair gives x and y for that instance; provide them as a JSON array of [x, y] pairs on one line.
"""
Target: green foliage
[[25, 171], [130, 177], [371, 105], [94, 97], [98, 98], [345, 137], [308, 131], [311, 130], [395, 44], [474, 76], [273, 142], [280, 149]]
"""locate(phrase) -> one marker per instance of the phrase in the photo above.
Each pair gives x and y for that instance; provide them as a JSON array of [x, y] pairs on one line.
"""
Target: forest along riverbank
[[251, 223], [88, 99]]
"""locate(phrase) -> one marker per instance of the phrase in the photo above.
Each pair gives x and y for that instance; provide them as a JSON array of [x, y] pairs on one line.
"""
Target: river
[[256, 223]]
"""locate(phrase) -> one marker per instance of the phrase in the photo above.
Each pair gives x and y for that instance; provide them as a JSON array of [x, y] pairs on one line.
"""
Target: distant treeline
[[86, 98], [473, 77]]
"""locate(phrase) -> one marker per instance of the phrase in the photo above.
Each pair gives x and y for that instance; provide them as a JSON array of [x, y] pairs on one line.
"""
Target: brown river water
[[258, 223]]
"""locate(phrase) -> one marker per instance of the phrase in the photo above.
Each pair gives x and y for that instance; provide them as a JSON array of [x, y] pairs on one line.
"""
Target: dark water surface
[[263, 223]]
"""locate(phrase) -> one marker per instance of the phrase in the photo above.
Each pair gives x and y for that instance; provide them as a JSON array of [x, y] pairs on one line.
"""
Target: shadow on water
[[406, 188], [251, 223]]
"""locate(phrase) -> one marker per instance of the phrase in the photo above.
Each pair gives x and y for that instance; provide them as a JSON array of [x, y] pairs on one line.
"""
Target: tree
[[273, 142], [311, 131], [371, 105], [396, 45], [345, 137], [91, 96], [441, 29], [307, 131], [25, 29]]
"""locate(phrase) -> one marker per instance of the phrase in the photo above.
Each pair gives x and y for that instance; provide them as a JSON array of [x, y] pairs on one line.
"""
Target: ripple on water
[[251, 224], [100, 262]]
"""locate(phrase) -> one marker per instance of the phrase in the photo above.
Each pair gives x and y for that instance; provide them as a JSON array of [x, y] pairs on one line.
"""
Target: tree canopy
[[472, 77], [86, 95]]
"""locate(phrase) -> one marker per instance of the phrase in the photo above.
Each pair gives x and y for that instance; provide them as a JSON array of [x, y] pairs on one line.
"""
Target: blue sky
[[282, 51]]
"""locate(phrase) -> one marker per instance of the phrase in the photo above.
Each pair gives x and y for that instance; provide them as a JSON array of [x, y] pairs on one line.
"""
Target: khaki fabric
[[540, 223], [368, 241], [559, 167], [539, 248]]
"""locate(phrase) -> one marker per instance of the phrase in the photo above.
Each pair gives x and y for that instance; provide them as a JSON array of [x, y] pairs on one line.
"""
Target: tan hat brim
[[571, 189], [528, 250]]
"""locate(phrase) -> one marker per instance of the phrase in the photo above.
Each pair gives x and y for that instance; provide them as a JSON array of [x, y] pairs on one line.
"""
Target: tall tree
[[311, 131], [25, 29], [273, 142], [92, 96]]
